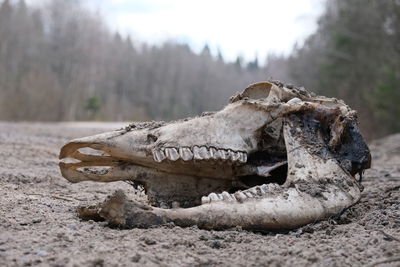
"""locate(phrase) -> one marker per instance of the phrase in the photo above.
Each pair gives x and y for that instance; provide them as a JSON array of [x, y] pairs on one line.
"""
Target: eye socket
[[151, 138]]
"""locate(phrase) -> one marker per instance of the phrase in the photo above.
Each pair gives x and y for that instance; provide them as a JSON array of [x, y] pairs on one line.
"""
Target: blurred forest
[[61, 62]]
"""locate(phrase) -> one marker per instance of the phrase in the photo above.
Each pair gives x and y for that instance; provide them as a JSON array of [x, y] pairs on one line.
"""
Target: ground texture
[[39, 225]]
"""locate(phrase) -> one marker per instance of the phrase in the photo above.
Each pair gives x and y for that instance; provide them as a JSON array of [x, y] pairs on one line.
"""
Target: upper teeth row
[[198, 153]]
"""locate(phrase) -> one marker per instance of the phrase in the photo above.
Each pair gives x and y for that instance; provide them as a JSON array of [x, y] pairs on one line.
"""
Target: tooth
[[158, 155], [175, 205], [235, 156], [226, 196], [224, 154], [240, 196], [213, 197], [163, 205], [243, 157], [232, 155], [248, 194], [201, 153], [253, 190], [205, 200], [185, 153], [171, 154], [261, 190], [213, 153], [273, 186], [264, 188], [196, 153], [204, 152], [218, 154]]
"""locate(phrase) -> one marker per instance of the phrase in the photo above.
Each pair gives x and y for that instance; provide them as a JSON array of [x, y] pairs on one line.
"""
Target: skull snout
[[119, 145]]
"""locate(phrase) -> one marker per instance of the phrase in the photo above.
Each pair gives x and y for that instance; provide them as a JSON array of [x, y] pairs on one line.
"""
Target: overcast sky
[[236, 27]]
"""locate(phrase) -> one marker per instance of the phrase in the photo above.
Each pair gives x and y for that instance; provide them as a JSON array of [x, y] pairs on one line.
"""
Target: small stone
[[42, 253], [296, 233], [204, 238], [216, 244], [149, 241], [136, 258], [37, 220], [72, 226], [98, 263]]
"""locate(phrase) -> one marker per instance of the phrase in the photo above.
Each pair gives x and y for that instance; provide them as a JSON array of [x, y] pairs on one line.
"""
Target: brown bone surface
[[276, 157]]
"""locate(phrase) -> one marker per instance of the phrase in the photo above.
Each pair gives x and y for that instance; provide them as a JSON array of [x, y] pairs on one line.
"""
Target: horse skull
[[276, 157]]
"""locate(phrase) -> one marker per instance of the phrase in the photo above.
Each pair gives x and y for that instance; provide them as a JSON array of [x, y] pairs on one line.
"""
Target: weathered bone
[[244, 149]]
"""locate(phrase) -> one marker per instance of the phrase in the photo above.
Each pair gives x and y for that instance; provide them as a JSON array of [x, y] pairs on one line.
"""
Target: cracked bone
[[273, 158]]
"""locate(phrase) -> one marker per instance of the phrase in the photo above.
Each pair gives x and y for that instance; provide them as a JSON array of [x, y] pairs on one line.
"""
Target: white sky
[[236, 27]]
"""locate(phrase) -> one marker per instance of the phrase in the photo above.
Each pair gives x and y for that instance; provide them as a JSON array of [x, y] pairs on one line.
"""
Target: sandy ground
[[39, 225]]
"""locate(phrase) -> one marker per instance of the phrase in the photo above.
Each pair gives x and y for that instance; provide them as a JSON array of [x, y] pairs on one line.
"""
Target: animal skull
[[276, 157]]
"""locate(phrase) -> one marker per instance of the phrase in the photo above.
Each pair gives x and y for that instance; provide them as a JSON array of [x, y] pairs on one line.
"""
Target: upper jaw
[[196, 147], [114, 150]]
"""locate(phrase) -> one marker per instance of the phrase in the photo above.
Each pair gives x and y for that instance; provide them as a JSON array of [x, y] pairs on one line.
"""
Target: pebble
[[42, 253]]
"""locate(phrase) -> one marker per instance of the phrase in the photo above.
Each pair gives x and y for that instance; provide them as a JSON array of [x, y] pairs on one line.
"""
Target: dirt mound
[[39, 225]]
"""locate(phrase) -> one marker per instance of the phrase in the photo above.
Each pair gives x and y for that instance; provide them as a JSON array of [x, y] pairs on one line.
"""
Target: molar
[[196, 153], [224, 155], [253, 191], [205, 200], [261, 189], [231, 154], [204, 152], [213, 197], [273, 186], [264, 188], [235, 156], [164, 205], [213, 153], [185, 153], [248, 194], [240, 196], [226, 196], [175, 205], [171, 153], [158, 155], [201, 153], [243, 157], [217, 154]]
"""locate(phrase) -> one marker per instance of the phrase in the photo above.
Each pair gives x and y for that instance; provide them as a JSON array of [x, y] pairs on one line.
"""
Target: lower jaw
[[282, 208]]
